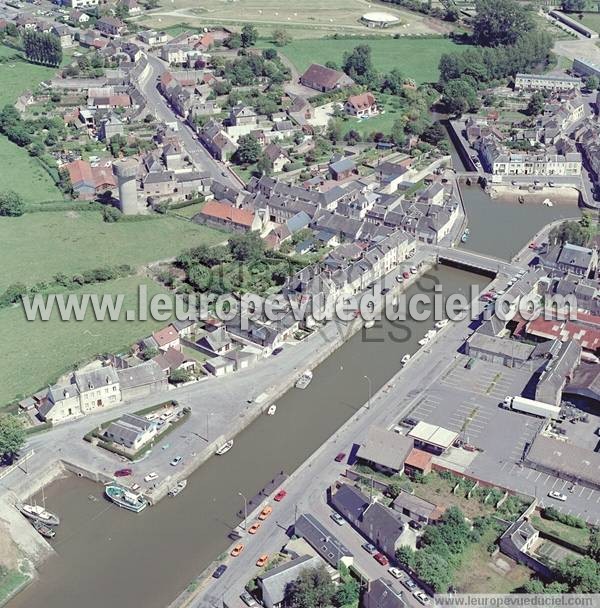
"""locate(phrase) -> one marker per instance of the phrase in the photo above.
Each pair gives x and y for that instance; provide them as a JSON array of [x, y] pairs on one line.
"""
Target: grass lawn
[[189, 211], [18, 75], [9, 581], [36, 353], [577, 536], [591, 20], [36, 246], [415, 58], [478, 572], [382, 122]]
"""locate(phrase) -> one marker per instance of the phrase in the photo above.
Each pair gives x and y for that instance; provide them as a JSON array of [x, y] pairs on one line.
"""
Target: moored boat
[[125, 499], [45, 530], [223, 449], [38, 513], [441, 324], [466, 234], [304, 380], [370, 323], [272, 409], [178, 488], [405, 359]]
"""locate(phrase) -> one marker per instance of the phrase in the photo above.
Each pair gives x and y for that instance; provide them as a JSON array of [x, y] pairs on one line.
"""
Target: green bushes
[[569, 520]]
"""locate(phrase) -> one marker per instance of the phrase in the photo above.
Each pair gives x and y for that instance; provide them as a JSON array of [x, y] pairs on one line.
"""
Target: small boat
[[521, 199], [224, 448], [304, 380], [405, 359], [125, 499], [547, 203], [466, 234], [370, 323], [428, 337], [178, 488], [441, 324], [37, 513], [43, 529], [272, 409]]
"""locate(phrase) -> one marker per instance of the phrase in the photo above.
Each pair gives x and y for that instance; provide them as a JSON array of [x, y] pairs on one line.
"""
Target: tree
[[11, 204], [178, 376], [264, 165], [245, 247], [348, 591], [536, 104], [42, 47], [594, 544], [434, 133], [150, 4], [581, 575], [460, 96], [569, 232], [281, 37], [199, 277], [312, 589], [149, 353], [12, 435], [12, 294], [406, 556], [393, 82], [573, 6], [359, 66], [248, 150], [269, 54], [394, 488], [111, 214], [335, 130], [248, 36], [592, 83], [501, 22]]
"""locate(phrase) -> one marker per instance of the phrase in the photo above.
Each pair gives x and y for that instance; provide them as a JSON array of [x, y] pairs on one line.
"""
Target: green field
[[416, 58], [591, 20], [36, 246], [36, 353], [579, 537]]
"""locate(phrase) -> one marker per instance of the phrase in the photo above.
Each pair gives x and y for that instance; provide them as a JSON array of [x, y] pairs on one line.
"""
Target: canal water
[[109, 557]]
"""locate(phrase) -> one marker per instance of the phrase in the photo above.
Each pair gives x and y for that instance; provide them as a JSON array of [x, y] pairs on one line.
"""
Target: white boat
[[405, 359], [272, 409], [224, 448], [548, 203], [178, 488], [38, 513], [441, 324], [428, 337], [370, 323], [304, 380], [125, 499]]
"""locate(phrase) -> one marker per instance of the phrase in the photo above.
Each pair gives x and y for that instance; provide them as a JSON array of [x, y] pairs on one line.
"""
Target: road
[[161, 109]]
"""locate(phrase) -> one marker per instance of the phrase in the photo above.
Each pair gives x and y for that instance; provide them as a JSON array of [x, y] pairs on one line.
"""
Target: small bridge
[[478, 262]]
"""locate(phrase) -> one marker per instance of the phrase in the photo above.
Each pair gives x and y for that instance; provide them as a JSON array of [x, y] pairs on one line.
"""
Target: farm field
[[415, 58], [312, 18], [36, 353], [36, 246]]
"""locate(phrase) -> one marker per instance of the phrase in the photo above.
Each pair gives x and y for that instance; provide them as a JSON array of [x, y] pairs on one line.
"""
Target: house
[[82, 3], [152, 37], [167, 338], [64, 34], [381, 593], [361, 105], [574, 259], [385, 450], [111, 26], [324, 79], [219, 366], [172, 359], [342, 169], [132, 7], [274, 584], [216, 141], [216, 342], [416, 508], [546, 82], [131, 431], [378, 523], [277, 156], [418, 462], [322, 541], [142, 380], [77, 17], [518, 542], [225, 216], [110, 126], [88, 181], [432, 438]]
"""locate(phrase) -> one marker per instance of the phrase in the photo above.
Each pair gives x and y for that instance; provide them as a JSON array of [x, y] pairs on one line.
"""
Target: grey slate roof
[[276, 581], [141, 375], [386, 448], [382, 594], [320, 539]]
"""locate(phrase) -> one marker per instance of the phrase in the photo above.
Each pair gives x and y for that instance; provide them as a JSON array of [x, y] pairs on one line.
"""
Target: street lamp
[[245, 509], [370, 391]]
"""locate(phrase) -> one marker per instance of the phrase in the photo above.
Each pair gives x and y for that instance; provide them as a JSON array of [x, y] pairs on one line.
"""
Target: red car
[[533, 246], [280, 496], [340, 457], [381, 558], [123, 472], [406, 275]]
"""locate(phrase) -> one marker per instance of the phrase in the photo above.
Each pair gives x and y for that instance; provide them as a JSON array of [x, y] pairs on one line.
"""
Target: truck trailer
[[529, 406]]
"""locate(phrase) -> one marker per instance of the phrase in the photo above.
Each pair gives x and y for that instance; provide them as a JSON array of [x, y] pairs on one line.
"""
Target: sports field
[[311, 18], [36, 246], [416, 58], [36, 353]]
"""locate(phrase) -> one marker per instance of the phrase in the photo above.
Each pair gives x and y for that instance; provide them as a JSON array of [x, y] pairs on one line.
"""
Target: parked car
[[381, 558], [406, 274], [415, 525], [280, 496], [413, 270], [262, 560], [421, 597], [369, 548], [557, 495], [399, 278], [385, 290], [248, 599], [265, 513], [395, 572], [337, 518], [277, 350], [151, 477], [176, 461], [218, 573], [410, 422], [340, 457], [253, 529], [237, 550], [409, 584], [123, 472]]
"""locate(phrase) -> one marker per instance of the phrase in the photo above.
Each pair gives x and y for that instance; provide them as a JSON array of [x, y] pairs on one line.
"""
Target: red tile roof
[[362, 101], [80, 171], [166, 335], [418, 459], [586, 336], [227, 212]]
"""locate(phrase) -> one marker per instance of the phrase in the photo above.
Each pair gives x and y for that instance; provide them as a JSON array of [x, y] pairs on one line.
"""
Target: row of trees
[[44, 48], [244, 70], [578, 232]]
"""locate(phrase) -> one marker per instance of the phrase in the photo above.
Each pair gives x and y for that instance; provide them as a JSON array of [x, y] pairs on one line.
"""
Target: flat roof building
[[432, 438]]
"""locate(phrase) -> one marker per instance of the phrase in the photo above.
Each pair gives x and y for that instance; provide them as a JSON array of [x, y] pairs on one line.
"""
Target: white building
[[82, 3], [539, 82]]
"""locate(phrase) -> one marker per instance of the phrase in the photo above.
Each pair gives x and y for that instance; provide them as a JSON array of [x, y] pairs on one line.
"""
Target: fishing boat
[[441, 324], [304, 380], [405, 359], [223, 449], [38, 513], [178, 488], [370, 323], [43, 529], [125, 499], [272, 409]]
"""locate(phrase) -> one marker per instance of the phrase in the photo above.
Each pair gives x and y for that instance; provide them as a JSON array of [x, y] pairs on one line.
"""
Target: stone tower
[[126, 171]]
